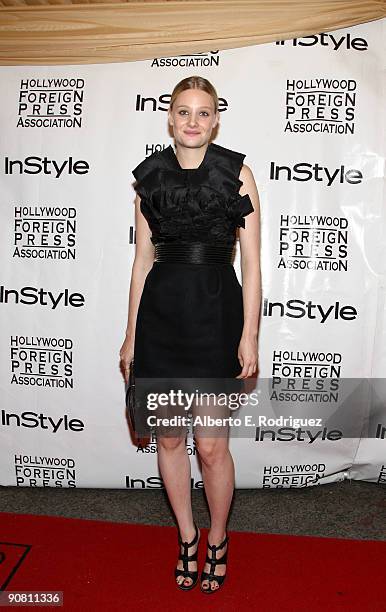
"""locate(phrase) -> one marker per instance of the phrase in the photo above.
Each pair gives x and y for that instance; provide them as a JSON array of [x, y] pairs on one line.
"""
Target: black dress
[[190, 316]]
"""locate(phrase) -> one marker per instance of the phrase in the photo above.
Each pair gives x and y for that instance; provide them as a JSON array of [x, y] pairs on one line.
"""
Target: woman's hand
[[126, 354], [247, 354]]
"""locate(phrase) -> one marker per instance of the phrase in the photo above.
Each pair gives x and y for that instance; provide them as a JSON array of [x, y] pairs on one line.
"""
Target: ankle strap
[[192, 543], [213, 547]]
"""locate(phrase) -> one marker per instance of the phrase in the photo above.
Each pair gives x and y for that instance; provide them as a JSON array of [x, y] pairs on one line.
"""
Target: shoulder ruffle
[[146, 174], [233, 160], [228, 167], [244, 208], [199, 204]]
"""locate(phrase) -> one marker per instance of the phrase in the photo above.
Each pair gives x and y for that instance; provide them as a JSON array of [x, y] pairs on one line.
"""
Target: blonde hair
[[195, 82]]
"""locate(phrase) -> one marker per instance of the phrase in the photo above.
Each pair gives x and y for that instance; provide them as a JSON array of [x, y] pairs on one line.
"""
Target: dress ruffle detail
[[201, 204]]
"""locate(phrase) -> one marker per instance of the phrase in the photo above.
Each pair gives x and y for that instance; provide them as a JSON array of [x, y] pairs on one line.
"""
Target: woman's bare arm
[[251, 272], [143, 261]]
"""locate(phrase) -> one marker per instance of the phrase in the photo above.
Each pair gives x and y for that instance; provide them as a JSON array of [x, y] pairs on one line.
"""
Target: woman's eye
[[181, 112]]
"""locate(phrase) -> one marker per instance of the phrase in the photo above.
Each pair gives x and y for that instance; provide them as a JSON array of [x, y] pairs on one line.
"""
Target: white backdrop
[[309, 114]]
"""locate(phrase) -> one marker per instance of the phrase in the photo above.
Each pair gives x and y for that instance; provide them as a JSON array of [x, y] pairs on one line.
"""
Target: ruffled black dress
[[190, 316]]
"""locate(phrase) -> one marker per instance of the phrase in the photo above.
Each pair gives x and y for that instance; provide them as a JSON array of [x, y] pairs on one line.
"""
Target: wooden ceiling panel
[[87, 31]]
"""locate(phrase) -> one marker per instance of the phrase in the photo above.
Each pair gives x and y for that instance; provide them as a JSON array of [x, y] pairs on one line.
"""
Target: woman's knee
[[170, 443], [211, 450]]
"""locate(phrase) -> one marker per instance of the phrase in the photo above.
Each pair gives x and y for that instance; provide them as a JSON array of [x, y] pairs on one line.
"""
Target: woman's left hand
[[247, 354]]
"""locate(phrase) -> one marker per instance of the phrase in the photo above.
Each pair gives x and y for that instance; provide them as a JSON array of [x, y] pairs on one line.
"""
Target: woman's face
[[193, 118]]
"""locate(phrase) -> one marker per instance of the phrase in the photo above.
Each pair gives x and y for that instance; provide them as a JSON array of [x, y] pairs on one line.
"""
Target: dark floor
[[347, 509]]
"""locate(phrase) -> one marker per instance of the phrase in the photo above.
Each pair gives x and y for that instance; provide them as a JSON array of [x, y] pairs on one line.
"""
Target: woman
[[188, 314]]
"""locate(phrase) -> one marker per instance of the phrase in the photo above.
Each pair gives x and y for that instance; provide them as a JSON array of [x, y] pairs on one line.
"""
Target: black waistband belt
[[193, 252]]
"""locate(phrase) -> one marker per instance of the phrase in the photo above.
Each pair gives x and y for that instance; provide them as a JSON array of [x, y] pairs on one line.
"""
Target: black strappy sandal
[[211, 576], [185, 558]]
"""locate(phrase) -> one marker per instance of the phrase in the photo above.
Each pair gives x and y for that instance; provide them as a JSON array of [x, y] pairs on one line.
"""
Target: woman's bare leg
[[174, 465], [219, 477]]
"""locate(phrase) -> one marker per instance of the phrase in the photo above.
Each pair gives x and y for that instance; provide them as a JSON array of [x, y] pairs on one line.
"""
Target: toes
[[185, 581]]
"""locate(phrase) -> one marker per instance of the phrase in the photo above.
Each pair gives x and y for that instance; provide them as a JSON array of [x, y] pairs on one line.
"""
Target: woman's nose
[[192, 120]]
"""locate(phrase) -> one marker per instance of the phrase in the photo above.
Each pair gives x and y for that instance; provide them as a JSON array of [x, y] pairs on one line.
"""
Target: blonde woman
[[188, 314]]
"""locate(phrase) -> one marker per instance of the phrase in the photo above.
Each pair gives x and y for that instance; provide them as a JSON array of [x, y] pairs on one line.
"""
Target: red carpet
[[115, 567]]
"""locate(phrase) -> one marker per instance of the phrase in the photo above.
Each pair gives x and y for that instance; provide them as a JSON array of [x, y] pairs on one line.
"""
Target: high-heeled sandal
[[211, 576], [185, 558]]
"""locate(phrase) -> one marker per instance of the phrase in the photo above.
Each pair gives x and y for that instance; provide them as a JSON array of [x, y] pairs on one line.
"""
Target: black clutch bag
[[130, 396], [136, 404]]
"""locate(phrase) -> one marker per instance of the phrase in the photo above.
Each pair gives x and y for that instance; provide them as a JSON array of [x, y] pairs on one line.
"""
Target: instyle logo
[[156, 482], [30, 296], [43, 165], [333, 42], [298, 309], [51, 103], [36, 420], [320, 105], [43, 471], [305, 172], [161, 103], [287, 434], [193, 60]]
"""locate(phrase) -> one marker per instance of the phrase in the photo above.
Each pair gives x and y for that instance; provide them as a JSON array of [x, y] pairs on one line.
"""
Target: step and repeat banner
[[309, 115]]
